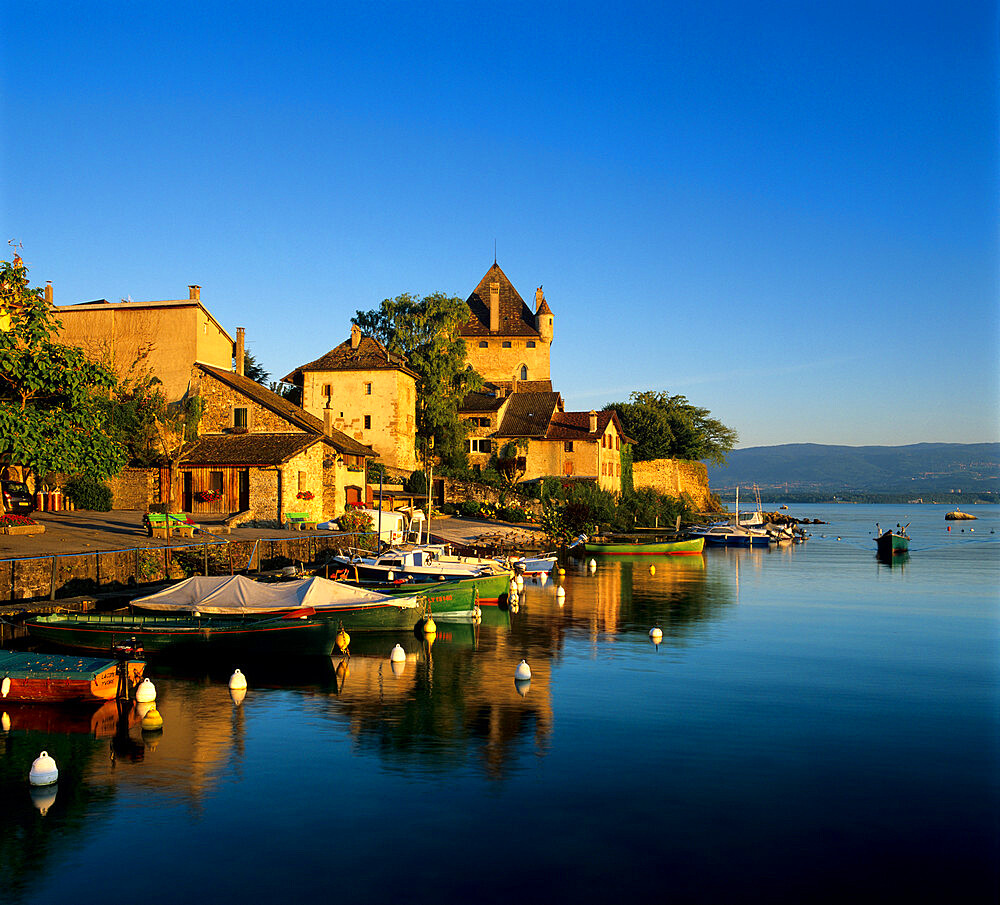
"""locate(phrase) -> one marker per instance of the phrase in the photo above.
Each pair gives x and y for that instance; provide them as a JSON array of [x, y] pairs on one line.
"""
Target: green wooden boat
[[687, 546], [454, 594], [892, 543], [291, 634]]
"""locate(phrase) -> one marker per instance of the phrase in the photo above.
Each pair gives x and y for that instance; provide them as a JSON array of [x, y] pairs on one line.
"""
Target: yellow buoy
[[152, 720], [343, 639], [430, 626]]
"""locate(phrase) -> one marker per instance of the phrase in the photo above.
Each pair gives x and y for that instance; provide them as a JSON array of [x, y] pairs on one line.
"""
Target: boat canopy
[[237, 594]]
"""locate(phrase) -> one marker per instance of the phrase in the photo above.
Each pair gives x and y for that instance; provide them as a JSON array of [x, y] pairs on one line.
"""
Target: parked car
[[17, 497]]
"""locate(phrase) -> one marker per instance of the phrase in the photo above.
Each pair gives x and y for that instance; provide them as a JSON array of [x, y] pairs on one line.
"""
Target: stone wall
[[676, 477], [455, 490], [494, 361], [135, 488]]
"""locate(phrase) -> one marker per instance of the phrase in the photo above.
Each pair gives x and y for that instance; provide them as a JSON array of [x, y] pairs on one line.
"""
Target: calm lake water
[[815, 726]]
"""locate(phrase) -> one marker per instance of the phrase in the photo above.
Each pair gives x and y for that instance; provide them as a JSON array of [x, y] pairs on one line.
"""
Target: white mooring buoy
[[523, 671], [145, 693], [560, 591], [656, 634], [237, 680], [5, 686], [398, 655], [44, 771]]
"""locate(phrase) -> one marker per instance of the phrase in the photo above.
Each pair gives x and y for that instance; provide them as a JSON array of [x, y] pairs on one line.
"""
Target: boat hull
[[687, 547], [890, 544], [50, 678]]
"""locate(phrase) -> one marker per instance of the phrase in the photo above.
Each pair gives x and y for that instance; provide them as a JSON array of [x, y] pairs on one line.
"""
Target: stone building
[[553, 442], [505, 341], [370, 395], [162, 338], [264, 455]]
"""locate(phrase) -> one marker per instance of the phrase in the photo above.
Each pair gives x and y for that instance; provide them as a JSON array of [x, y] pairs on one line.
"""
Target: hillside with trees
[[921, 470]]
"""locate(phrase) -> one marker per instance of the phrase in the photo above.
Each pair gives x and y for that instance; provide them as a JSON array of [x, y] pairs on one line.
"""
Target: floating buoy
[[652, 569], [152, 720], [5, 722], [398, 655], [5, 686], [522, 686], [523, 671], [43, 797], [237, 694], [44, 771], [238, 680], [592, 564], [560, 591], [430, 626], [391, 576], [561, 571], [145, 693], [343, 639], [656, 634]]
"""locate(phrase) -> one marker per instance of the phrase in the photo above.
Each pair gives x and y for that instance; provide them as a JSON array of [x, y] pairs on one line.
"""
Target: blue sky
[[786, 212]]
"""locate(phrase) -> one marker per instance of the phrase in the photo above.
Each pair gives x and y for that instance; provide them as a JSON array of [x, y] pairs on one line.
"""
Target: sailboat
[[724, 534]]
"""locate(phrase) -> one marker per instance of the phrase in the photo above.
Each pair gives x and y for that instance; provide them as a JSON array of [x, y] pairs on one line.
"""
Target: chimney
[[48, 292], [194, 293], [539, 298], [355, 336], [513, 388], [494, 307], [240, 353], [593, 421], [328, 421]]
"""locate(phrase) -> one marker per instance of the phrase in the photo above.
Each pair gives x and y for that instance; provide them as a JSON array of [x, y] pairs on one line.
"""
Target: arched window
[[524, 372]]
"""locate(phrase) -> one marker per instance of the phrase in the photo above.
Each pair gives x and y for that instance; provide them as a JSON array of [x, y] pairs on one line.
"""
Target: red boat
[[32, 677]]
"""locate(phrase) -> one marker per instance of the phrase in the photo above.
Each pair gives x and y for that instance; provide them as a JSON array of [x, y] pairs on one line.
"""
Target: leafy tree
[[175, 425], [425, 331], [254, 369], [51, 395], [670, 427]]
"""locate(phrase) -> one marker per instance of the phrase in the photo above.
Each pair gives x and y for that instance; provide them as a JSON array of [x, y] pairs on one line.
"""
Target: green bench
[[180, 525], [299, 521], [156, 524]]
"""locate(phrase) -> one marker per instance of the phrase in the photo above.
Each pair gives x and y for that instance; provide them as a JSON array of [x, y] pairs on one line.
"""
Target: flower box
[[22, 529]]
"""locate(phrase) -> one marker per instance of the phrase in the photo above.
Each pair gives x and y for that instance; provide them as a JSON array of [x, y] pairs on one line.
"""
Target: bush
[[86, 493], [416, 483], [469, 508], [361, 525]]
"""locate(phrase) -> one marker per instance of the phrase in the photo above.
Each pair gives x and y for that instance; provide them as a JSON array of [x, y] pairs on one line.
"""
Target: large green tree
[[426, 332], [51, 395], [670, 427]]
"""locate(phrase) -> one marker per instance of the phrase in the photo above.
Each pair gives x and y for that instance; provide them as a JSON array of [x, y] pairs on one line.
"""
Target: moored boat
[[44, 678], [681, 547]]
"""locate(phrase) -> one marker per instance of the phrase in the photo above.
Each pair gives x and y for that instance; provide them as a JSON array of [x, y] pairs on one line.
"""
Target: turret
[[543, 316]]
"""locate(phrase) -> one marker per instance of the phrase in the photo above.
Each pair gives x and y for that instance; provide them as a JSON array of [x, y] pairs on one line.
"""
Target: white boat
[[418, 562], [743, 532]]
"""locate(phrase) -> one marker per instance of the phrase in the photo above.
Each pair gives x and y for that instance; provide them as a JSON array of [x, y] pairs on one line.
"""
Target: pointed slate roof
[[370, 355], [516, 318], [289, 411]]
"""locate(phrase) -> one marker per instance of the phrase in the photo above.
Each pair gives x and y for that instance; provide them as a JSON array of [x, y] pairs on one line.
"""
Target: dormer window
[[483, 344], [506, 344], [240, 419]]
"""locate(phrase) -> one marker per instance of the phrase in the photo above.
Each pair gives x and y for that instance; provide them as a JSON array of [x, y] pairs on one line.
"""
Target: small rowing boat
[[892, 543], [682, 547], [48, 678]]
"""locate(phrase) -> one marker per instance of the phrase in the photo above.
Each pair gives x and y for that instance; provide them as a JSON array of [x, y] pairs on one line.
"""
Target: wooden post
[[52, 586], [204, 547]]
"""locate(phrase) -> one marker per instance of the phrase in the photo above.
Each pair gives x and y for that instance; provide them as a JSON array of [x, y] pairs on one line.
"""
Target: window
[[480, 445], [524, 372], [531, 344], [568, 446], [368, 422], [326, 391], [368, 389], [215, 481], [483, 344], [484, 422], [240, 419], [505, 344], [618, 442], [567, 468], [302, 481]]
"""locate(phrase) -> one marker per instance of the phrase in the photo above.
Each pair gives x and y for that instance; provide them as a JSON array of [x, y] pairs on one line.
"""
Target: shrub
[[360, 524], [469, 508], [87, 493], [416, 483]]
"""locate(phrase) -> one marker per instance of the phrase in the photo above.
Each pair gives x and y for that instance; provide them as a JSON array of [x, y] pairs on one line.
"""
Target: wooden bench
[[157, 522], [180, 525], [299, 521]]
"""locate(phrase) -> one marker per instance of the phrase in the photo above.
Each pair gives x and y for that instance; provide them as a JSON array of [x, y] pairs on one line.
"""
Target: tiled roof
[[480, 402], [528, 414], [516, 319], [576, 426], [289, 411], [370, 355], [247, 449]]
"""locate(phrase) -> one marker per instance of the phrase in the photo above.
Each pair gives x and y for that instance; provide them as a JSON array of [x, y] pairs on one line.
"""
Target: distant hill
[[920, 470]]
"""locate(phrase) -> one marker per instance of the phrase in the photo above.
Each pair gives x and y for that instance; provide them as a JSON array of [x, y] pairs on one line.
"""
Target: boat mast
[[737, 505]]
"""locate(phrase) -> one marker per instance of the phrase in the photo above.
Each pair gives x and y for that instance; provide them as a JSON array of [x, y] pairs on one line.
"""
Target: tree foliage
[[426, 332], [254, 369], [52, 397], [670, 427]]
